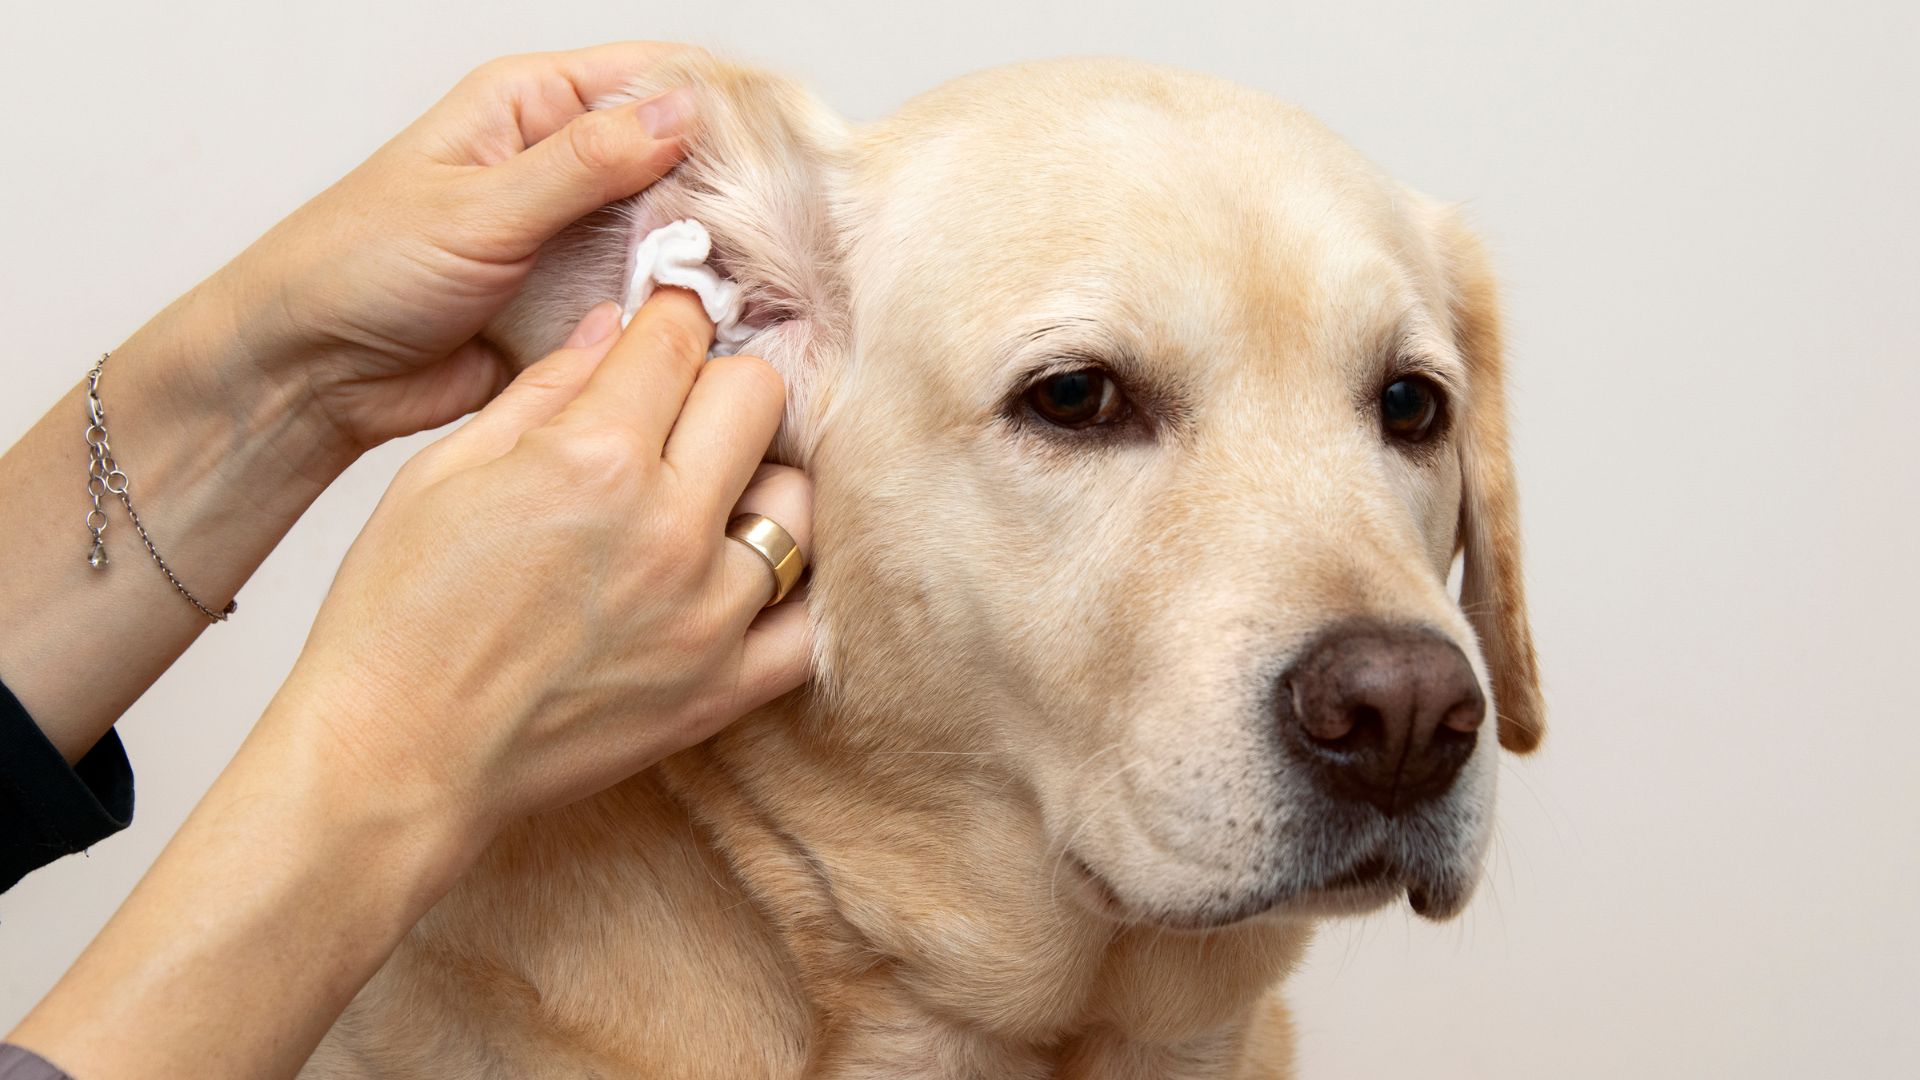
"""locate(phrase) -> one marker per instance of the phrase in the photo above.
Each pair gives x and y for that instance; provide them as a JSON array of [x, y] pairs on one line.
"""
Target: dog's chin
[[1373, 884], [1368, 886]]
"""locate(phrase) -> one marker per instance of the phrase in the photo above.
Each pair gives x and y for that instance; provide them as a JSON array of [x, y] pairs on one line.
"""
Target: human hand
[[545, 601], [543, 604], [350, 323], [369, 297]]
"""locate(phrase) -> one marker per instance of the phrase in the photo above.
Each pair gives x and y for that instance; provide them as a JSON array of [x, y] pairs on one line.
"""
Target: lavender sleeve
[[18, 1063]]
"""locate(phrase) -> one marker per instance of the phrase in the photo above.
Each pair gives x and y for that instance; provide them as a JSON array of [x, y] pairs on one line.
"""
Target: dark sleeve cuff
[[19, 1063], [48, 808]]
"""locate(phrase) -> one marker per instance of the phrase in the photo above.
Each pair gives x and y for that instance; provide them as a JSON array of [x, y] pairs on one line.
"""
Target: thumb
[[537, 394], [596, 158]]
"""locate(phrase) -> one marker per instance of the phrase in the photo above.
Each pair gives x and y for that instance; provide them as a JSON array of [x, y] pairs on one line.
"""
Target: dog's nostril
[[1363, 718], [1463, 719], [1383, 714], [1345, 729]]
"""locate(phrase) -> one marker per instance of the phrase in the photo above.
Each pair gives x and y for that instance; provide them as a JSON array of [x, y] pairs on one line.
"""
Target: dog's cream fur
[[1030, 819]]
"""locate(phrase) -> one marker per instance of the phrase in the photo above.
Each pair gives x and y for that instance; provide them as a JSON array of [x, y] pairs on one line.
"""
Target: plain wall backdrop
[[1705, 218]]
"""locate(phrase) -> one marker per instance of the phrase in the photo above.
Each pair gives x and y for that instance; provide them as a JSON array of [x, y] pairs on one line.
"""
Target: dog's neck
[[917, 887]]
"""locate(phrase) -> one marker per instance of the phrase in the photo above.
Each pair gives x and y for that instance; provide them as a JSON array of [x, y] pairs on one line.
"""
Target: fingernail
[[666, 115], [595, 325]]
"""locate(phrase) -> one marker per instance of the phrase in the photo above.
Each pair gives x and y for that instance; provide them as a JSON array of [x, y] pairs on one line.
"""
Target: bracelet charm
[[105, 478]]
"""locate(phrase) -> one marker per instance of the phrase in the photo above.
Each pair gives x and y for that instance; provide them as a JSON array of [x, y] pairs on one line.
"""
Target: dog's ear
[[1492, 591], [759, 173]]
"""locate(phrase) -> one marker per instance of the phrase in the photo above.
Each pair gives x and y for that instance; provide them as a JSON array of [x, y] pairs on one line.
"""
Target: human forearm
[[284, 891], [424, 713], [223, 453], [358, 319]]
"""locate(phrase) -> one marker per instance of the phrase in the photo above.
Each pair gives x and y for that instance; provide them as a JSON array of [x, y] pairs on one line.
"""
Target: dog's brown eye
[[1410, 408], [1078, 399]]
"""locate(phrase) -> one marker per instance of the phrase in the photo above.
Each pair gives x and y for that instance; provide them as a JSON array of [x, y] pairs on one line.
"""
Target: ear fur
[[1493, 592], [759, 174]]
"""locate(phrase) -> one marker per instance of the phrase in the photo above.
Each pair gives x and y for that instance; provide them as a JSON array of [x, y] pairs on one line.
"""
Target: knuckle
[[789, 485], [590, 454], [498, 70], [594, 144], [557, 373], [683, 539], [540, 380], [759, 382], [677, 339], [420, 470]]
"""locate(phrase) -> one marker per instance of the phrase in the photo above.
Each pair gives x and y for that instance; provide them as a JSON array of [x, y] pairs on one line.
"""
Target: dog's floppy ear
[[1492, 591], [759, 172]]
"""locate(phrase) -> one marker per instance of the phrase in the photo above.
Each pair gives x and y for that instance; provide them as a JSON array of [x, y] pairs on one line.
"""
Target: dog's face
[[1146, 420], [1154, 397]]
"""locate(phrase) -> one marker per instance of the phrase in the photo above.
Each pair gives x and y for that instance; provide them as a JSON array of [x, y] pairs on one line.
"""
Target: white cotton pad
[[676, 254]]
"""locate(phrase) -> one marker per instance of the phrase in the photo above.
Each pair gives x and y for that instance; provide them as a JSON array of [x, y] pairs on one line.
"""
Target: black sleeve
[[48, 808]]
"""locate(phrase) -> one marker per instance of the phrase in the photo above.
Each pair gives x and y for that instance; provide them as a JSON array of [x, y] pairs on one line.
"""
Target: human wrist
[[409, 840], [242, 342], [329, 745], [221, 456], [294, 888]]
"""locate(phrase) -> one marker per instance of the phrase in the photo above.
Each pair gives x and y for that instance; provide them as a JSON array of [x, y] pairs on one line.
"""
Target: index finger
[[542, 91], [546, 90], [644, 381]]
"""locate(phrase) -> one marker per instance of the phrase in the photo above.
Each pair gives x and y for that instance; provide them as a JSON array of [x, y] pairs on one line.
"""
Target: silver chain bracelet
[[105, 478]]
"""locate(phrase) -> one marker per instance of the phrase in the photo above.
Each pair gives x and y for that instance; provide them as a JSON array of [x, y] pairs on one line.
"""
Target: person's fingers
[[784, 495], [430, 397], [723, 431], [644, 381], [594, 159], [541, 92], [775, 657], [539, 393], [560, 86]]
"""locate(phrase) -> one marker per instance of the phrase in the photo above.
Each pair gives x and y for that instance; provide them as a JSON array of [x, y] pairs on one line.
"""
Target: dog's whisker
[[1066, 847], [1060, 857]]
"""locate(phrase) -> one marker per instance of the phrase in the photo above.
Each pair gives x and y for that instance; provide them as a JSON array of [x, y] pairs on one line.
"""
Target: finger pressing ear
[[776, 657], [550, 89], [594, 159], [784, 495], [537, 394]]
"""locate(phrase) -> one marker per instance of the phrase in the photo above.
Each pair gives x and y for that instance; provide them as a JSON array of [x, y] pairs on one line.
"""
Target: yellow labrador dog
[[1146, 419]]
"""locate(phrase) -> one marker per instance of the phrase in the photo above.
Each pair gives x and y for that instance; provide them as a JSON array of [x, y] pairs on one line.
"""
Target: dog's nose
[[1384, 714]]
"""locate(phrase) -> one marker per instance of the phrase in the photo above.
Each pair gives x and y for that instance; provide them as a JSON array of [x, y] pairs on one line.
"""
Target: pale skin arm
[[621, 626], [350, 323], [616, 625]]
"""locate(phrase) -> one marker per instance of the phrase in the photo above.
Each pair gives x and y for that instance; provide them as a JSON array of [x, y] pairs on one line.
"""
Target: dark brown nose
[[1382, 714]]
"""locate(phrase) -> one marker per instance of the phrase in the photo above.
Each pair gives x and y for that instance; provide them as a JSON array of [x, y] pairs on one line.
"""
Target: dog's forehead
[[1178, 202]]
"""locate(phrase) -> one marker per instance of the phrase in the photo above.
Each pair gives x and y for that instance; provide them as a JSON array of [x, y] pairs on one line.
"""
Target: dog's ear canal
[[1493, 590], [761, 163]]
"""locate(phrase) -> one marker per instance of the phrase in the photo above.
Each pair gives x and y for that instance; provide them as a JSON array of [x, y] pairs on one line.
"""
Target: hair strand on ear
[[1493, 589], [759, 177]]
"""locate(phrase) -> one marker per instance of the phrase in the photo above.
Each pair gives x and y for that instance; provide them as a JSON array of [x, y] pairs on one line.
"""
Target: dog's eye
[[1078, 399], [1410, 408]]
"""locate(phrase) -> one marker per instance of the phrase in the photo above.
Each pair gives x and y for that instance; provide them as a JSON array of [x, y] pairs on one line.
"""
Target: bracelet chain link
[[104, 478]]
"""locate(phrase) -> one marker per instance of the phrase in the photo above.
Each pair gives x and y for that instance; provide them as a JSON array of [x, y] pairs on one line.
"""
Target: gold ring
[[774, 544]]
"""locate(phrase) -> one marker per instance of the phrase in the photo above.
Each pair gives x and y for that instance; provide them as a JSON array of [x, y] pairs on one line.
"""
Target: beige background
[[1706, 219]]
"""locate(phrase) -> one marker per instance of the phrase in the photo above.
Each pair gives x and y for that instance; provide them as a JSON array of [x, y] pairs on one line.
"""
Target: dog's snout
[[1384, 714]]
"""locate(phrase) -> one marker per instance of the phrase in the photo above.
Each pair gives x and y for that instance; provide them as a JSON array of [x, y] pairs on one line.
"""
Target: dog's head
[[1147, 420]]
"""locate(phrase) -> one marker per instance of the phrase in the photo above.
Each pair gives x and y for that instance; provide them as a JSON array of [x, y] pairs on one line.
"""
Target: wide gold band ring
[[774, 544]]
